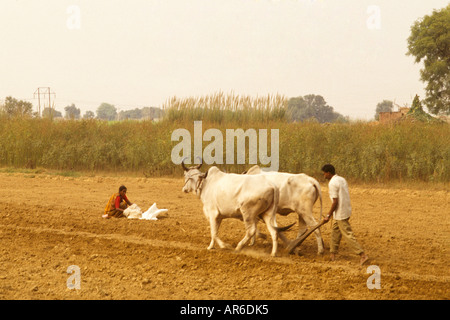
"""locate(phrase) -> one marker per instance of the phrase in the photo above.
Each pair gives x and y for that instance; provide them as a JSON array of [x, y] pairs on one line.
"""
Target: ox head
[[193, 178]]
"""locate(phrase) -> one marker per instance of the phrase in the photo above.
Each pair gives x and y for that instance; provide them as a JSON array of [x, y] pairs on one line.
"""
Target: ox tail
[[318, 194], [282, 229], [273, 222]]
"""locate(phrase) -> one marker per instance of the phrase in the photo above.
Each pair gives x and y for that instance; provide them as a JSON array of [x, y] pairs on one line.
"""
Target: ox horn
[[199, 165], [183, 165]]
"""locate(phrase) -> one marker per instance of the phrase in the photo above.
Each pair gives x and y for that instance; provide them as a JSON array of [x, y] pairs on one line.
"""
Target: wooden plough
[[295, 243]]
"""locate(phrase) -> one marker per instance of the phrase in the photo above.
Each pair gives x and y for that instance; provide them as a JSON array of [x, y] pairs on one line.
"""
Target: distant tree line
[[299, 109], [14, 108], [109, 112], [309, 107]]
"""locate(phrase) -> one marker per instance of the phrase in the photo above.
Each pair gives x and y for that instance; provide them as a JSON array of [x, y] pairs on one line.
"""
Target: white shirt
[[338, 188]]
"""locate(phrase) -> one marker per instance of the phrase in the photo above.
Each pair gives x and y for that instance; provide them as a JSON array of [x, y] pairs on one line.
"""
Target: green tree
[[130, 114], [17, 108], [416, 112], [311, 107], [89, 115], [72, 112], [106, 111], [51, 113], [152, 113], [430, 41], [384, 106]]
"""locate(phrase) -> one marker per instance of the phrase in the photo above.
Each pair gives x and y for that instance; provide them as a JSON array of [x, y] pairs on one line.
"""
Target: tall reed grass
[[359, 150], [226, 108]]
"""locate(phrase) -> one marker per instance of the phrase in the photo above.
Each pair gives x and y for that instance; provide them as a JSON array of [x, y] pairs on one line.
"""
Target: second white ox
[[227, 195], [298, 193]]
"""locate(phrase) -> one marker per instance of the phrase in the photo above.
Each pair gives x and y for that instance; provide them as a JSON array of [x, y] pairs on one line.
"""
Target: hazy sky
[[140, 53]]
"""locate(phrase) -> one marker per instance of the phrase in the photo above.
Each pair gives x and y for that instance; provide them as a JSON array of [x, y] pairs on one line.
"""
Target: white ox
[[298, 193], [227, 195]]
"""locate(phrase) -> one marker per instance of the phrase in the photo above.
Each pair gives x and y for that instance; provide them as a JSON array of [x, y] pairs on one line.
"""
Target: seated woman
[[117, 204]]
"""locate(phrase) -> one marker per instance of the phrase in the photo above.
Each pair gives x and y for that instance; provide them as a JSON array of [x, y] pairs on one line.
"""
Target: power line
[[44, 91]]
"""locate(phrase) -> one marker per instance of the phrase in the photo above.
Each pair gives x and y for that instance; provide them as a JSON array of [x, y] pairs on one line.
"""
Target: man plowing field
[[341, 210]]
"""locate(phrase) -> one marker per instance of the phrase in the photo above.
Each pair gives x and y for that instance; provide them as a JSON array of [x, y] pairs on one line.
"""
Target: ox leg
[[311, 222], [214, 225], [302, 226], [283, 238], [250, 227], [252, 240], [273, 233], [257, 235]]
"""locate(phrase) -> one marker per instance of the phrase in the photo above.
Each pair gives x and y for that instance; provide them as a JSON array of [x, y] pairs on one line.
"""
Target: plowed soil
[[50, 222]]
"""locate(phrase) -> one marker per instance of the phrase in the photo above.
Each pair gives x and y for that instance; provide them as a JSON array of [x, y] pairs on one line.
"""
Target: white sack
[[134, 212], [152, 213]]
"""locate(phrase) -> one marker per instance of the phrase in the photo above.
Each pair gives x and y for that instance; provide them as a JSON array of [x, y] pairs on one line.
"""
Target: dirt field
[[51, 222]]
